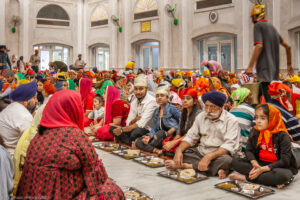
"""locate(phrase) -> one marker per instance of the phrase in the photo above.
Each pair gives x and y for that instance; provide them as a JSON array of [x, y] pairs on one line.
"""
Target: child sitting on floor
[[269, 159], [97, 114]]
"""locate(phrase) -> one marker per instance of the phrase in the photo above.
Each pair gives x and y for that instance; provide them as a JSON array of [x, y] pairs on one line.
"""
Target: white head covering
[[141, 80], [163, 89]]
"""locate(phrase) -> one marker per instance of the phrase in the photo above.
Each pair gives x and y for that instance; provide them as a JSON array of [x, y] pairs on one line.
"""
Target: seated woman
[[87, 98], [243, 99], [269, 159], [115, 114], [106, 82], [215, 84], [40, 97], [61, 162], [187, 118], [165, 123], [47, 91]]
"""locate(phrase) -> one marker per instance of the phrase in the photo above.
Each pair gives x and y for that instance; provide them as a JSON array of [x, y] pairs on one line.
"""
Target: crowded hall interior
[[149, 99]]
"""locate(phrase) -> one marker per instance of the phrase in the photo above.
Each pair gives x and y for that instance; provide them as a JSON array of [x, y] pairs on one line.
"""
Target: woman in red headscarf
[[61, 162], [87, 98], [187, 118], [269, 159], [116, 113]]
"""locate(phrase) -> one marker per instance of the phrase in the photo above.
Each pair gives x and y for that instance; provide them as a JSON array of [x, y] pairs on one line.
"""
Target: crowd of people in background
[[212, 122]]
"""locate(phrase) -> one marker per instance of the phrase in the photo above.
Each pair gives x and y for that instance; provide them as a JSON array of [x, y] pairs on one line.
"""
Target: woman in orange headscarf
[[269, 159], [202, 85], [215, 84]]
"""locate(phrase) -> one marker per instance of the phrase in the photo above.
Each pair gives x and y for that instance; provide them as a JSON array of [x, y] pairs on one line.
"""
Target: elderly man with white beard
[[216, 134]]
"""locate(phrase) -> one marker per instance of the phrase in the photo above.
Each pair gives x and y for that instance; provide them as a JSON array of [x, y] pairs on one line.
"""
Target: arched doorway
[[221, 48], [53, 52]]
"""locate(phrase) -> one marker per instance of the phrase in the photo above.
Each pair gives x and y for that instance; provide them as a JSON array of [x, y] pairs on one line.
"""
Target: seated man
[[7, 173], [219, 135], [278, 92], [10, 77], [139, 120], [16, 118], [244, 112]]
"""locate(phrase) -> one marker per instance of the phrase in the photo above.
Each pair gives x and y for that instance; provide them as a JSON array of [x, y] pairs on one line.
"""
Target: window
[[211, 3], [99, 17], [149, 55], [52, 52], [102, 57], [221, 49], [53, 15], [145, 9]]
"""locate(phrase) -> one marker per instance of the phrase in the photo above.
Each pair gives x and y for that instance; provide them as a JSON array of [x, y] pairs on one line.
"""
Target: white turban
[[141, 80], [163, 89]]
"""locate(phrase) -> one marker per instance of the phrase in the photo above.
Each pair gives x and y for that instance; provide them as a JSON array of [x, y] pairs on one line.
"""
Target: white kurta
[[14, 120], [213, 134]]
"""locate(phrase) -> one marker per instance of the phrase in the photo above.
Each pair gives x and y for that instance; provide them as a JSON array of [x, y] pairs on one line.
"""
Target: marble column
[[79, 29], [26, 36], [246, 24], [164, 44], [85, 29], [2, 21], [126, 31], [276, 14], [113, 54], [184, 25]]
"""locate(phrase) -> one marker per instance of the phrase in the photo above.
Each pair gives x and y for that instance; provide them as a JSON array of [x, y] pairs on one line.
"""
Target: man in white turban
[[139, 121]]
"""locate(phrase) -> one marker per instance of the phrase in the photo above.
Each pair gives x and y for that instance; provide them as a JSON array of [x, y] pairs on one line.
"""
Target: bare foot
[[280, 186], [170, 164], [222, 173], [133, 146], [236, 176]]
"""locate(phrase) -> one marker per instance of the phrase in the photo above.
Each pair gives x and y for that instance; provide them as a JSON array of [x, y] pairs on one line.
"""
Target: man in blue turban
[[16, 117], [219, 134]]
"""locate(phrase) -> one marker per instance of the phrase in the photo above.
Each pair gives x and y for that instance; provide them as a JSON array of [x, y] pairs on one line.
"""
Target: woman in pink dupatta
[[87, 98], [116, 113]]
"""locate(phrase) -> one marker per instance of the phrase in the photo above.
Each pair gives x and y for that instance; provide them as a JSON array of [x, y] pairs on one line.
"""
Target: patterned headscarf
[[239, 95]]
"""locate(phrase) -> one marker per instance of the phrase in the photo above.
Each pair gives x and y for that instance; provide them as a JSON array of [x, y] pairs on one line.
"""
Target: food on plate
[[187, 178], [133, 152], [132, 195], [188, 172], [157, 160], [228, 185], [250, 186]]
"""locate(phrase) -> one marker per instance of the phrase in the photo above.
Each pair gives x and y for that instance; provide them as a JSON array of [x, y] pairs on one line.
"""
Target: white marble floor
[[129, 173]]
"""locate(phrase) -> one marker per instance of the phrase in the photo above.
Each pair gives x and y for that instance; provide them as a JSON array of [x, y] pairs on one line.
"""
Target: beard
[[31, 107], [213, 116]]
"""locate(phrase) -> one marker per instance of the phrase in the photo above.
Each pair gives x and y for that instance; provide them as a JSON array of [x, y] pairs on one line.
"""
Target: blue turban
[[217, 98], [24, 92], [95, 70]]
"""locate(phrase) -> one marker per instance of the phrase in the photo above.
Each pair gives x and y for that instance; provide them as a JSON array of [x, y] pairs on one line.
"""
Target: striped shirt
[[290, 121], [245, 115]]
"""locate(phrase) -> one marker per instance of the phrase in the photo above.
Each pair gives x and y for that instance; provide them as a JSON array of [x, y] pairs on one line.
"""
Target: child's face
[[97, 104], [262, 120]]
